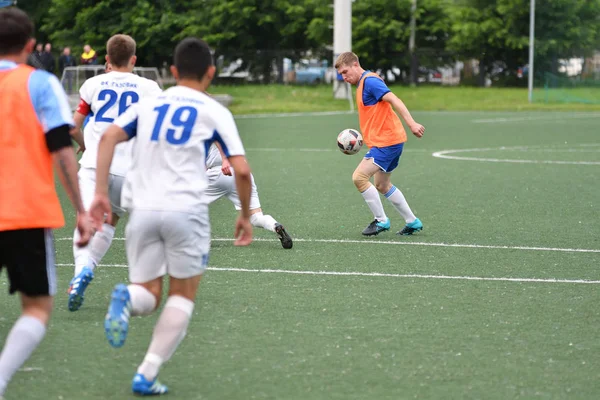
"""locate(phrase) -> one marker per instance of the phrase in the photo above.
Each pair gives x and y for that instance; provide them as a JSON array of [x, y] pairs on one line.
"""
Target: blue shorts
[[386, 158]]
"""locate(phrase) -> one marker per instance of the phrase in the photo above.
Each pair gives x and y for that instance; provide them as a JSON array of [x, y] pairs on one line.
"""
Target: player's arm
[[228, 138], [59, 144], [416, 128], [53, 112], [113, 135], [243, 183], [76, 132], [123, 129], [225, 165], [83, 110]]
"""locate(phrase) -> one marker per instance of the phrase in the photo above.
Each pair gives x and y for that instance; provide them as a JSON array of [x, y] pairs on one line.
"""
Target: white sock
[[80, 254], [263, 221], [371, 196], [100, 244], [395, 196], [142, 301], [25, 335], [168, 333]]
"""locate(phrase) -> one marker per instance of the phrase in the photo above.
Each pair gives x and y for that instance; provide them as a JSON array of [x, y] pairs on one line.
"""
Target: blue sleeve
[[131, 129], [49, 100], [128, 120], [373, 91]]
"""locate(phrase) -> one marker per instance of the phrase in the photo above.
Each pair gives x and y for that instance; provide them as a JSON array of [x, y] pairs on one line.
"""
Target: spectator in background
[[34, 61], [88, 57], [35, 58], [48, 59], [64, 61]]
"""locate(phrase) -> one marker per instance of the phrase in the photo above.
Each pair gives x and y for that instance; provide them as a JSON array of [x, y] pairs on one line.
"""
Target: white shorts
[[173, 243], [220, 185], [87, 186]]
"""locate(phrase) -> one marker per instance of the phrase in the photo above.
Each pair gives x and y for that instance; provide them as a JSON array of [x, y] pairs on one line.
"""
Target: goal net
[[73, 77]]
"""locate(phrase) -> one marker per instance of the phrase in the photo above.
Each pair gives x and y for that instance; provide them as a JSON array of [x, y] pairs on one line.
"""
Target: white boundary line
[[444, 154], [431, 244], [380, 275]]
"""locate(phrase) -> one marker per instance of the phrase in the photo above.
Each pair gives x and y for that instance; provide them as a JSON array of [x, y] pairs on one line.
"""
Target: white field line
[[552, 117], [379, 275], [430, 244], [445, 154]]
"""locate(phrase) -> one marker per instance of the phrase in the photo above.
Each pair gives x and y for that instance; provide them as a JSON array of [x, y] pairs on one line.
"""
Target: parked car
[[429, 75], [312, 71]]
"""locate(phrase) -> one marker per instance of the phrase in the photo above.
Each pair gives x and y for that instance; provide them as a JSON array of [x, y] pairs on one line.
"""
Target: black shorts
[[28, 255]]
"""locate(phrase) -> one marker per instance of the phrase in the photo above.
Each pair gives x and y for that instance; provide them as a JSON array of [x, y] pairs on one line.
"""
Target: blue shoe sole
[[76, 299], [115, 327], [144, 394]]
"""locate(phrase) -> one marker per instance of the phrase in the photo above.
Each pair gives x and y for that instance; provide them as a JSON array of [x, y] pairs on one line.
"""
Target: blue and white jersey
[[107, 96], [174, 132]]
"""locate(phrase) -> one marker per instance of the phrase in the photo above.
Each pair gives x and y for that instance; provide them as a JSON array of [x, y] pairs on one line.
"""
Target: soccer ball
[[350, 141]]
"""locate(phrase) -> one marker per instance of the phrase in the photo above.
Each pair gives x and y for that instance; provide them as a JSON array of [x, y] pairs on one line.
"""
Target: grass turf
[[253, 99], [268, 335]]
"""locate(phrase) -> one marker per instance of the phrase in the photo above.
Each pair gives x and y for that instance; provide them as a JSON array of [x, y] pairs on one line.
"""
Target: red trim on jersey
[[83, 108]]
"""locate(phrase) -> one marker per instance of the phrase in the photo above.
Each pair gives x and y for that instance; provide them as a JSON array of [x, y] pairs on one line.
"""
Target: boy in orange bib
[[384, 134]]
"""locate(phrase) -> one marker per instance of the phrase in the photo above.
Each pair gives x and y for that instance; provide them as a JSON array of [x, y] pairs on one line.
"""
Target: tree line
[[261, 32]]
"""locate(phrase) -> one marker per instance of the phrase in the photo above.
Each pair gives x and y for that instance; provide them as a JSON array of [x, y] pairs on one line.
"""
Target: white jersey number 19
[[184, 117]]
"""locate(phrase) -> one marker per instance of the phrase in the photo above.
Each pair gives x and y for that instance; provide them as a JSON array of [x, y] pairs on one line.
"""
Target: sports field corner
[[496, 298]]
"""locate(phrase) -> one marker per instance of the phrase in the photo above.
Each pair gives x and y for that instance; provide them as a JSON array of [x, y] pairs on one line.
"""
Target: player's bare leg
[[361, 178], [259, 220], [394, 195], [86, 260]]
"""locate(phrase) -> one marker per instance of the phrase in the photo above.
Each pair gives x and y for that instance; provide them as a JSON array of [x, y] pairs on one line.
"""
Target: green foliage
[[259, 31], [262, 32], [37, 10], [152, 23], [496, 32]]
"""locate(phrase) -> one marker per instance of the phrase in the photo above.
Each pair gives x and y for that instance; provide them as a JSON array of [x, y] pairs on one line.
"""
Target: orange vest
[[379, 124], [27, 194]]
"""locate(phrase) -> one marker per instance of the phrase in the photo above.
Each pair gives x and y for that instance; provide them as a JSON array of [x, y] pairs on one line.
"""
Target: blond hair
[[120, 49], [346, 58]]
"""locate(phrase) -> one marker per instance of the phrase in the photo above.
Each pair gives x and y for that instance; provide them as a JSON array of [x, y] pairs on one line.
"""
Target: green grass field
[[496, 299], [283, 98]]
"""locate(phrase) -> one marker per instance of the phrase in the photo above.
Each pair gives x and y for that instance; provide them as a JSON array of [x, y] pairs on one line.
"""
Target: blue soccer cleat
[[143, 387], [376, 227], [116, 322], [77, 288], [411, 228]]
